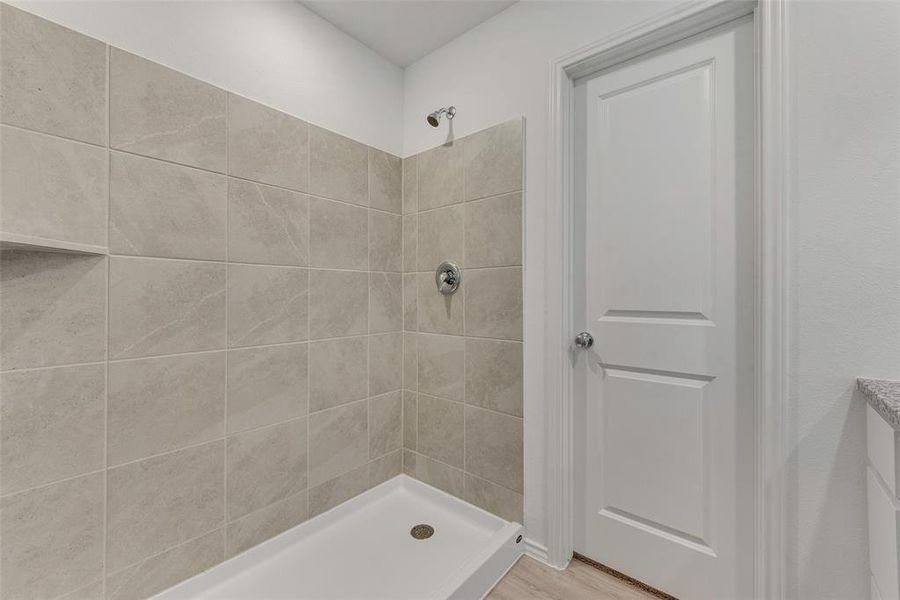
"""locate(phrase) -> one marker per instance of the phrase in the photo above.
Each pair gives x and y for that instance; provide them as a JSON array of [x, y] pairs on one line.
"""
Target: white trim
[[537, 551], [678, 23]]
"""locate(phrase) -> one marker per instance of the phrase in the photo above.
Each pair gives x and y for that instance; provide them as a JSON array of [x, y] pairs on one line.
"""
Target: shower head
[[434, 118]]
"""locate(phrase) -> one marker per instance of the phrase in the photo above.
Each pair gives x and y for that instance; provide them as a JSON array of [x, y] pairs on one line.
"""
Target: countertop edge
[[884, 396]]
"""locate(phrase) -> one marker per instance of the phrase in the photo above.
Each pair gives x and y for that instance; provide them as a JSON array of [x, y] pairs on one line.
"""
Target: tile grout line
[[227, 310]]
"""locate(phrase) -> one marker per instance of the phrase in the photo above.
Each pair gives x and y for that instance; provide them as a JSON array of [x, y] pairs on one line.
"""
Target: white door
[[667, 422]]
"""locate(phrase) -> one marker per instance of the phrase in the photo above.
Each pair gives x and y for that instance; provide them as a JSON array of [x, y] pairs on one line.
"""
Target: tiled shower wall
[[462, 373], [230, 368]]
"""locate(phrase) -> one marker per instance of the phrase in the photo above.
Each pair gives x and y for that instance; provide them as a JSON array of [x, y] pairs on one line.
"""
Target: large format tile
[[494, 375], [160, 209], [385, 242], [494, 303], [52, 309], [52, 79], [337, 372], [410, 302], [385, 363], [52, 538], [494, 232], [494, 447], [435, 312], [440, 237], [258, 526], [266, 145], [267, 224], [159, 112], [264, 466], [338, 441], [493, 160], [52, 188], [338, 235], [385, 424], [338, 303], [441, 363], [165, 306], [410, 419], [410, 226], [162, 404], [385, 467], [338, 167], [51, 425], [440, 430], [340, 489], [160, 502], [266, 385], [164, 570], [410, 185], [410, 361], [385, 181], [504, 503], [92, 591], [267, 305], [385, 302], [440, 176], [439, 475]]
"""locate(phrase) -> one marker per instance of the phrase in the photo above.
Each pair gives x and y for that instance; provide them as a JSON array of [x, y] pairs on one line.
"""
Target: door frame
[[770, 271]]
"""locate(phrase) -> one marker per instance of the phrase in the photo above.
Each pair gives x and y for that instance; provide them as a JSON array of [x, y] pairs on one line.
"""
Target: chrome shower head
[[434, 118]]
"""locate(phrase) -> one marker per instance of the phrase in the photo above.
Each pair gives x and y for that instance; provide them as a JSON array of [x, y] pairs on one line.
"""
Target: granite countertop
[[884, 396]]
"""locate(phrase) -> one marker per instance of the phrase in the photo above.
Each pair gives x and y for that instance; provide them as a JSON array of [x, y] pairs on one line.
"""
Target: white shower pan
[[363, 549]]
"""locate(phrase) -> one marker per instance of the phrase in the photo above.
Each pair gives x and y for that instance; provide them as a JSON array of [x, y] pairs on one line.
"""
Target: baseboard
[[538, 552]]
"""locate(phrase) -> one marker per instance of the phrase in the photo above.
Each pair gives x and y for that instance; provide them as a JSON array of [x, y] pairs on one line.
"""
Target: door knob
[[584, 340]]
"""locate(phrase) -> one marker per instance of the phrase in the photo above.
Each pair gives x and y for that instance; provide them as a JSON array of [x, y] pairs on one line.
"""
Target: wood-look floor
[[532, 580]]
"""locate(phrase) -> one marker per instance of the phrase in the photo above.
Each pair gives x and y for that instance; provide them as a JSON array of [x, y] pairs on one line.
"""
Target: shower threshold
[[364, 549]]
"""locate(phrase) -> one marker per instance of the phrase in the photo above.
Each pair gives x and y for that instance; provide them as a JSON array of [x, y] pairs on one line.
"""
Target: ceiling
[[403, 31]]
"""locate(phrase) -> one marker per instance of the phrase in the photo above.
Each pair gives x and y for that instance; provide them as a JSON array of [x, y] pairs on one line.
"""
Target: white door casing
[[668, 427]]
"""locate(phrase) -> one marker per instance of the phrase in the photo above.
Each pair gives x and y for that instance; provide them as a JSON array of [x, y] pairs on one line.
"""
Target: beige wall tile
[[504, 503], [385, 181], [52, 188], [266, 385], [338, 167], [338, 303], [52, 79], [338, 442], [265, 523], [494, 375], [410, 419], [160, 209], [410, 185], [494, 303], [494, 447], [337, 372], [159, 112], [441, 363], [435, 312], [155, 504], [267, 145], [385, 242], [410, 302], [385, 363], [410, 361], [338, 235], [340, 489], [439, 475], [410, 242], [165, 306], [267, 305], [440, 176], [52, 538], [161, 404], [493, 160], [409, 463], [267, 224], [164, 570], [264, 466], [51, 425], [385, 302], [92, 591], [52, 309], [384, 468], [440, 238], [385, 424], [440, 430], [494, 232]]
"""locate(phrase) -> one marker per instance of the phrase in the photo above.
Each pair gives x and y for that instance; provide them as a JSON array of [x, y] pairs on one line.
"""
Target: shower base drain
[[422, 531]]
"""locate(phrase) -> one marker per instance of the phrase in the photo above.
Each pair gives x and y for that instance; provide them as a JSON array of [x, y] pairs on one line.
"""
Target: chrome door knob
[[584, 340]]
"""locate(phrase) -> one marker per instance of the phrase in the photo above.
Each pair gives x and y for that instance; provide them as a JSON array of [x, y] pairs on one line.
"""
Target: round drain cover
[[422, 531]]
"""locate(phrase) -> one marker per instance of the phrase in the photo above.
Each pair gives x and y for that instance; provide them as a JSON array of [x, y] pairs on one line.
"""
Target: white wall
[[845, 243], [275, 52]]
